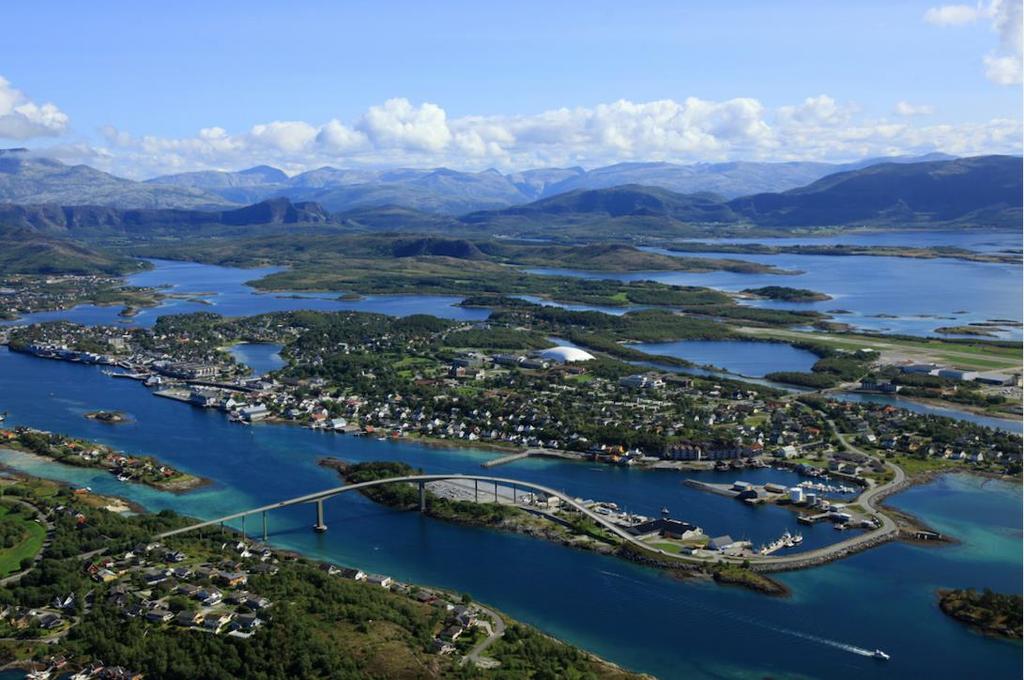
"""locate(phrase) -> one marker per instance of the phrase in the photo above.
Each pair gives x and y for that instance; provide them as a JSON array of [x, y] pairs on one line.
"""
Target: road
[[495, 629]]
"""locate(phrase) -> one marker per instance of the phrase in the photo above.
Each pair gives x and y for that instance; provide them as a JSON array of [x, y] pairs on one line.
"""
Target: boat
[[880, 655], [796, 539]]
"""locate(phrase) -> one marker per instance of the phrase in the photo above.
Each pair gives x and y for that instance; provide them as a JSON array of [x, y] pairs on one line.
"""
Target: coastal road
[[887, 529], [867, 499]]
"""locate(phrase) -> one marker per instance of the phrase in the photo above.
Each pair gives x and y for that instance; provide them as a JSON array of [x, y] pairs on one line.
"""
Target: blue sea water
[[223, 290], [882, 294], [641, 618]]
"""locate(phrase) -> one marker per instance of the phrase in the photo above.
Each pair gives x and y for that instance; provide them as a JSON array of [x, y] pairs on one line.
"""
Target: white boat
[[796, 539], [880, 655]]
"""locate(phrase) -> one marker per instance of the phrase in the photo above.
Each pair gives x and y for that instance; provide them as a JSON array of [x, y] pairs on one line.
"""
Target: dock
[[813, 519], [130, 376], [177, 395], [720, 489]]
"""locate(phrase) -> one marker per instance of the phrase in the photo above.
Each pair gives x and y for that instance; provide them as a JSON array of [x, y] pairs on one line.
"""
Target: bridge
[[887, 530], [319, 497]]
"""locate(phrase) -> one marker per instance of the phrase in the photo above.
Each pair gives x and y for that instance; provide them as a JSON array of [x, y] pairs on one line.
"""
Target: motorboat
[[880, 655]]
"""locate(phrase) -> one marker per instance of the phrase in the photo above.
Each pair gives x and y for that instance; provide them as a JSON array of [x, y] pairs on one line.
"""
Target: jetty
[[519, 455], [510, 458]]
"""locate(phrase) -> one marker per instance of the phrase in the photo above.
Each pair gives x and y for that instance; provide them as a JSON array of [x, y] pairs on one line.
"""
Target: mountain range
[[983, 191], [978, 191], [27, 178]]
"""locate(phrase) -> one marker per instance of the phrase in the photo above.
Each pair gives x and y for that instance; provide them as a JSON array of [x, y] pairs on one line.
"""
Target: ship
[[880, 655]]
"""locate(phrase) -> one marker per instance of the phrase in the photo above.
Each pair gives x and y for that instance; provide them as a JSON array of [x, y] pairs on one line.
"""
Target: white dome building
[[566, 355]]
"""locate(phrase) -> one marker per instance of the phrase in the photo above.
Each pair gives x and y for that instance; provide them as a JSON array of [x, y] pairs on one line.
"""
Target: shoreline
[[122, 504], [196, 482]]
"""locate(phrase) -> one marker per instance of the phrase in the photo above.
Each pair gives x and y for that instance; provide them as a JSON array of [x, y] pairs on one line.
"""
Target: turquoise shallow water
[[635, 616]]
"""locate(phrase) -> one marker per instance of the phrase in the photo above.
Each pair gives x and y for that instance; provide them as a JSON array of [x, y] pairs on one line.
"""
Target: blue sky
[[468, 84]]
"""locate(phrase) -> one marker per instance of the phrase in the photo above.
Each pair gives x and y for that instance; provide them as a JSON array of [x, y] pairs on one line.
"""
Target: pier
[[510, 458]]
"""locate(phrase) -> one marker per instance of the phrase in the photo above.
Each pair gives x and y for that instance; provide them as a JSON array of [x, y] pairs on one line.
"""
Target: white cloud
[[399, 124], [1004, 64], [953, 15], [905, 108], [288, 136], [820, 110], [21, 118], [336, 136], [400, 133]]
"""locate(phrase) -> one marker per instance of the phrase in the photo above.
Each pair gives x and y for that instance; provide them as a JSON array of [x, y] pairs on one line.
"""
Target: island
[[987, 612], [82, 453], [109, 417], [786, 294]]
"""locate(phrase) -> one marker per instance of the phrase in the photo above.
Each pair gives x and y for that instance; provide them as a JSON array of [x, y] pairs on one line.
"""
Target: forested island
[[785, 294], [990, 613]]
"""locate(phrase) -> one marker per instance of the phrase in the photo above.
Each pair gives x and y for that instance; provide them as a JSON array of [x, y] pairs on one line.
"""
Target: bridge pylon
[[320, 527]]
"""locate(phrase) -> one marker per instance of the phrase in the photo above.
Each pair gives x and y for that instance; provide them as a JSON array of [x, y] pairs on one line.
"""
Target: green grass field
[[10, 558]]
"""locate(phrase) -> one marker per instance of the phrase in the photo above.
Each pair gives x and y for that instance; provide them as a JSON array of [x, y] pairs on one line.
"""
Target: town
[[431, 379]]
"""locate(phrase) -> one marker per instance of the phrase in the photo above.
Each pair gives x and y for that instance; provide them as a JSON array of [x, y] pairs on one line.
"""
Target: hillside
[[29, 179], [453, 192], [983, 190], [24, 252], [90, 220]]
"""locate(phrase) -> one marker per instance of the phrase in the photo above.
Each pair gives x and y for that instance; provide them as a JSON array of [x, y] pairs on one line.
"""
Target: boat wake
[[853, 649], [759, 623]]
